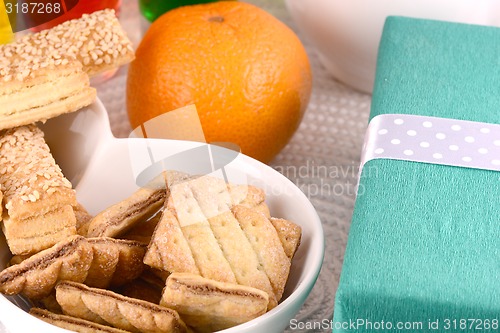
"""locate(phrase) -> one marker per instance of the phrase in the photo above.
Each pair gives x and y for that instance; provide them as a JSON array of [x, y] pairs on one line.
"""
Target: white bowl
[[103, 170], [346, 33]]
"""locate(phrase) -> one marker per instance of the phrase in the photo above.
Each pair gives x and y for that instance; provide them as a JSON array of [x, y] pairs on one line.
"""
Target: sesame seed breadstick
[[289, 233], [96, 40], [37, 197], [46, 74]]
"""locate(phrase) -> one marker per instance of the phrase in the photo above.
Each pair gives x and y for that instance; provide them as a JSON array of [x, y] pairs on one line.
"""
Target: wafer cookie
[[169, 249], [115, 262], [37, 197], [36, 276], [106, 307], [121, 217], [72, 323], [209, 305]]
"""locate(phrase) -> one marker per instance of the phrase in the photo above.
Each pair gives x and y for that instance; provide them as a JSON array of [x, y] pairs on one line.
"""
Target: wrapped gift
[[423, 253]]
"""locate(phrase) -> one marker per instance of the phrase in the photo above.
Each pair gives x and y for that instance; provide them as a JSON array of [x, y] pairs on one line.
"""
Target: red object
[[82, 7]]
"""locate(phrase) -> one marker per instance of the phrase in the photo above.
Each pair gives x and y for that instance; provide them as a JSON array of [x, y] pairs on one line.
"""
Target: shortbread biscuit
[[36, 276], [266, 243], [246, 195], [290, 235], [263, 209], [215, 202], [95, 40], [106, 307], [208, 256], [121, 217], [115, 262], [72, 323], [169, 250], [209, 305], [37, 196], [199, 234]]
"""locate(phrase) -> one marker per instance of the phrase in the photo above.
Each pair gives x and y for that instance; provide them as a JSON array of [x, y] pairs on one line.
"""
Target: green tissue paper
[[423, 253]]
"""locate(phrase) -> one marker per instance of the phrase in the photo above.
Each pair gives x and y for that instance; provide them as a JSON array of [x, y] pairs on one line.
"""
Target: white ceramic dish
[[103, 170], [346, 33]]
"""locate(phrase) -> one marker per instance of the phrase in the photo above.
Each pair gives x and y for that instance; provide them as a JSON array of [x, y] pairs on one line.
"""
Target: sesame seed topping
[[88, 40], [29, 171]]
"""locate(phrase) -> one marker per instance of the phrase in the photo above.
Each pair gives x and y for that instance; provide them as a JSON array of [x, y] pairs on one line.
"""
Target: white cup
[[346, 33]]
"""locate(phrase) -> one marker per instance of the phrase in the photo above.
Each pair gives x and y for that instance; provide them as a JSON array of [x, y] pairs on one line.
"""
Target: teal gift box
[[423, 253]]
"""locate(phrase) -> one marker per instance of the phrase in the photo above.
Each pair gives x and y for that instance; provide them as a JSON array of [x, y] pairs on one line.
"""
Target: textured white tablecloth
[[324, 153]]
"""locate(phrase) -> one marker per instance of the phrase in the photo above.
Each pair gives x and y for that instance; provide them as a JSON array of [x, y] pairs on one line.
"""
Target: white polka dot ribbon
[[433, 140]]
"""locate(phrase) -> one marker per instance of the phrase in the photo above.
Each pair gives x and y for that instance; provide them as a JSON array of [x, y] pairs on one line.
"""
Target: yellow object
[[6, 34], [247, 73]]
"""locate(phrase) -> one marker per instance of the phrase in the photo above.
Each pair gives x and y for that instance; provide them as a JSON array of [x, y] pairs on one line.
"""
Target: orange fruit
[[247, 73]]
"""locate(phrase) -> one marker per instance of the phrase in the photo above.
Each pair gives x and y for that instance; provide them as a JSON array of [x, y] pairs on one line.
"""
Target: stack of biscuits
[[184, 253], [44, 75]]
